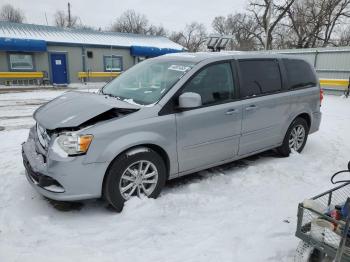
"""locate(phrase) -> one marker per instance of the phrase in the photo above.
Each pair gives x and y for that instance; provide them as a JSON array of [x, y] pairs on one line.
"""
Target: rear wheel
[[138, 172], [295, 138]]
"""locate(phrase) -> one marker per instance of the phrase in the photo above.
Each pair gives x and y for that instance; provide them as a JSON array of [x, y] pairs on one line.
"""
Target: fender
[[141, 138]]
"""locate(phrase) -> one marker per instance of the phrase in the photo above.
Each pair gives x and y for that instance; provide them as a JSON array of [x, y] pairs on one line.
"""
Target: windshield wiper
[[121, 98]]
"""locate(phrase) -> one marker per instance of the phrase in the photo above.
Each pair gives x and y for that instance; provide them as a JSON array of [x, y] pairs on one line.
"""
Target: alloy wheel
[[297, 137], [139, 178]]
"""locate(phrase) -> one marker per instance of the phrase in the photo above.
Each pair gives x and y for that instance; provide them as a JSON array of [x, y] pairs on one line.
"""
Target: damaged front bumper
[[61, 178]]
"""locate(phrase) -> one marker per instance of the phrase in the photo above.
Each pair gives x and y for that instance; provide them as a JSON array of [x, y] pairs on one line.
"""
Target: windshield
[[146, 82]]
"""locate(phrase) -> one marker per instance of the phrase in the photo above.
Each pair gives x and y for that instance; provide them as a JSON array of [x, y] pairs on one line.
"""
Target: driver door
[[209, 134]]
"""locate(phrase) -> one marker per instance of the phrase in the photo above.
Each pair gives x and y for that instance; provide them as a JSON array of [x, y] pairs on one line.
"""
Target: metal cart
[[321, 243], [323, 237]]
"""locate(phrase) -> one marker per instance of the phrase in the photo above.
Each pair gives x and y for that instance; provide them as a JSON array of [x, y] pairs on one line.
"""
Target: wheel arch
[[158, 149], [306, 117]]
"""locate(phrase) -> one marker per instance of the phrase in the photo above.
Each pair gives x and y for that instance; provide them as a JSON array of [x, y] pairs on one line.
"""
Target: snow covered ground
[[243, 211]]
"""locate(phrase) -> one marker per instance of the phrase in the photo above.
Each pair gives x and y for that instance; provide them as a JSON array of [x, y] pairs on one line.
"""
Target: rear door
[[265, 104], [209, 134]]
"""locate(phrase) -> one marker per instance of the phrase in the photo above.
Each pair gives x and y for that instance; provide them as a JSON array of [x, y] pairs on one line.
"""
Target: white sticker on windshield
[[179, 68]]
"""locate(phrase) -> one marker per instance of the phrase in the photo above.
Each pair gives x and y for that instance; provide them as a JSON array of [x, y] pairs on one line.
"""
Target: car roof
[[200, 56]]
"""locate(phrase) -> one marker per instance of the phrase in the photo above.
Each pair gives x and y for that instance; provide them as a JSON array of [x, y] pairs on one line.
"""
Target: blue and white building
[[62, 56]]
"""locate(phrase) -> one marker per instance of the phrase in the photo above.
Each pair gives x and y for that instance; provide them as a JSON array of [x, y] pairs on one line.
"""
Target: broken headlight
[[74, 144]]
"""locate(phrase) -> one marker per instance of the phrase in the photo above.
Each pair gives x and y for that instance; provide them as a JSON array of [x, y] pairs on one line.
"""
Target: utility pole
[[69, 17], [268, 19], [47, 23]]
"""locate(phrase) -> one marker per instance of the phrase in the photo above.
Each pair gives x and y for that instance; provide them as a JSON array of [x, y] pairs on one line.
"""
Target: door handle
[[251, 107], [231, 111]]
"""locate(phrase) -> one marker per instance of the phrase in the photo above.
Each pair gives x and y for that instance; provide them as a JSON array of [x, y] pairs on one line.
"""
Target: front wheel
[[140, 171], [295, 138]]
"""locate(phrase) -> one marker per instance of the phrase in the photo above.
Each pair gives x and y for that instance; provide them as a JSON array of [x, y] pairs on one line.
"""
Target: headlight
[[74, 144]]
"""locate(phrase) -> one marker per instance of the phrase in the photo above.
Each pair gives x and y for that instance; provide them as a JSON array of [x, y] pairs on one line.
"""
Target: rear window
[[259, 77], [299, 73]]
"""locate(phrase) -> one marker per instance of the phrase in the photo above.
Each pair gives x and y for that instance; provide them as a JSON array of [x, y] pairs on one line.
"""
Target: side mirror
[[190, 100], [349, 166]]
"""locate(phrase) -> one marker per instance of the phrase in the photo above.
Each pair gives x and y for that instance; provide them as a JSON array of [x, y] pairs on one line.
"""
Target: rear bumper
[[63, 179], [315, 122]]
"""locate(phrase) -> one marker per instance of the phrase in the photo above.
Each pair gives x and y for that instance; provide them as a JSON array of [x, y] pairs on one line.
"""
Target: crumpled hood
[[72, 109]]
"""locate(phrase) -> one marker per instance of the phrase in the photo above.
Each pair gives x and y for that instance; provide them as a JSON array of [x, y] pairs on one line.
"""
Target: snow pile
[[243, 211]]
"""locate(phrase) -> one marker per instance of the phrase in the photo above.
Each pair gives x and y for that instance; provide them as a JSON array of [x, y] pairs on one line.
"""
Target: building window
[[113, 63], [21, 62]]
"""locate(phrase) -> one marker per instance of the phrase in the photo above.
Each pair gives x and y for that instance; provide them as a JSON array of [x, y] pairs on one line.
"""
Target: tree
[[242, 28], [220, 25], [132, 22], [268, 15], [314, 22], [192, 37], [336, 11], [344, 38], [63, 20], [11, 14], [157, 30]]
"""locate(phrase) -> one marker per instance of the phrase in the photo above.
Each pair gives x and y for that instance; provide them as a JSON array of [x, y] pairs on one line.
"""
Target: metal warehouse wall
[[75, 60], [3, 62], [333, 63], [96, 63]]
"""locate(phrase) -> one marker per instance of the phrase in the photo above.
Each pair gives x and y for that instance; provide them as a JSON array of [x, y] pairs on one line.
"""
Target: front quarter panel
[[117, 136]]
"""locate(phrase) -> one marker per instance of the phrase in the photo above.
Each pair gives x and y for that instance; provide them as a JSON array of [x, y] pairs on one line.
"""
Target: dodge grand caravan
[[168, 117]]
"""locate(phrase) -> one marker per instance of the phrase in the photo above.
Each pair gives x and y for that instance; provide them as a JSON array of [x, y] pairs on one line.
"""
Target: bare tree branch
[[132, 22], [268, 15], [192, 38], [62, 20], [11, 14]]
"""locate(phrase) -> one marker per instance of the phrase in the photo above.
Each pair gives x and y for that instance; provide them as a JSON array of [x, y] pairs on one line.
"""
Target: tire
[[318, 256], [308, 253], [298, 124], [118, 176]]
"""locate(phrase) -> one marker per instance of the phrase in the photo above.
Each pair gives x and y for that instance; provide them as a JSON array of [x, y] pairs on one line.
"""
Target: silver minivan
[[167, 117]]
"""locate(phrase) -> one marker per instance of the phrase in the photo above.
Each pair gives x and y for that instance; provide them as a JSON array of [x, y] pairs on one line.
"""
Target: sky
[[173, 15]]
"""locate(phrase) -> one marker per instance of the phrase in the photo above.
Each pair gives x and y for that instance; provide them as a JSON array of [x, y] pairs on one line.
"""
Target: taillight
[[321, 95]]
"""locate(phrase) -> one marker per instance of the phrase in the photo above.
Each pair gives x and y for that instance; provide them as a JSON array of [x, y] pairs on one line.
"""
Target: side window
[[259, 77], [299, 73], [214, 83]]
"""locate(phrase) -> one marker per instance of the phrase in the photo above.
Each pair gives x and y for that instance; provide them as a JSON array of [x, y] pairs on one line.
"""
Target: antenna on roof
[[218, 42], [69, 16], [47, 23]]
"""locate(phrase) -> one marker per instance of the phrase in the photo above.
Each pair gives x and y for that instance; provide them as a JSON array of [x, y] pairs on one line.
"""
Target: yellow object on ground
[[21, 75], [334, 82], [97, 74]]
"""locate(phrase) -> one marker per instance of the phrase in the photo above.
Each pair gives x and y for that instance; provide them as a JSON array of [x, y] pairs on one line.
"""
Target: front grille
[[43, 136]]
